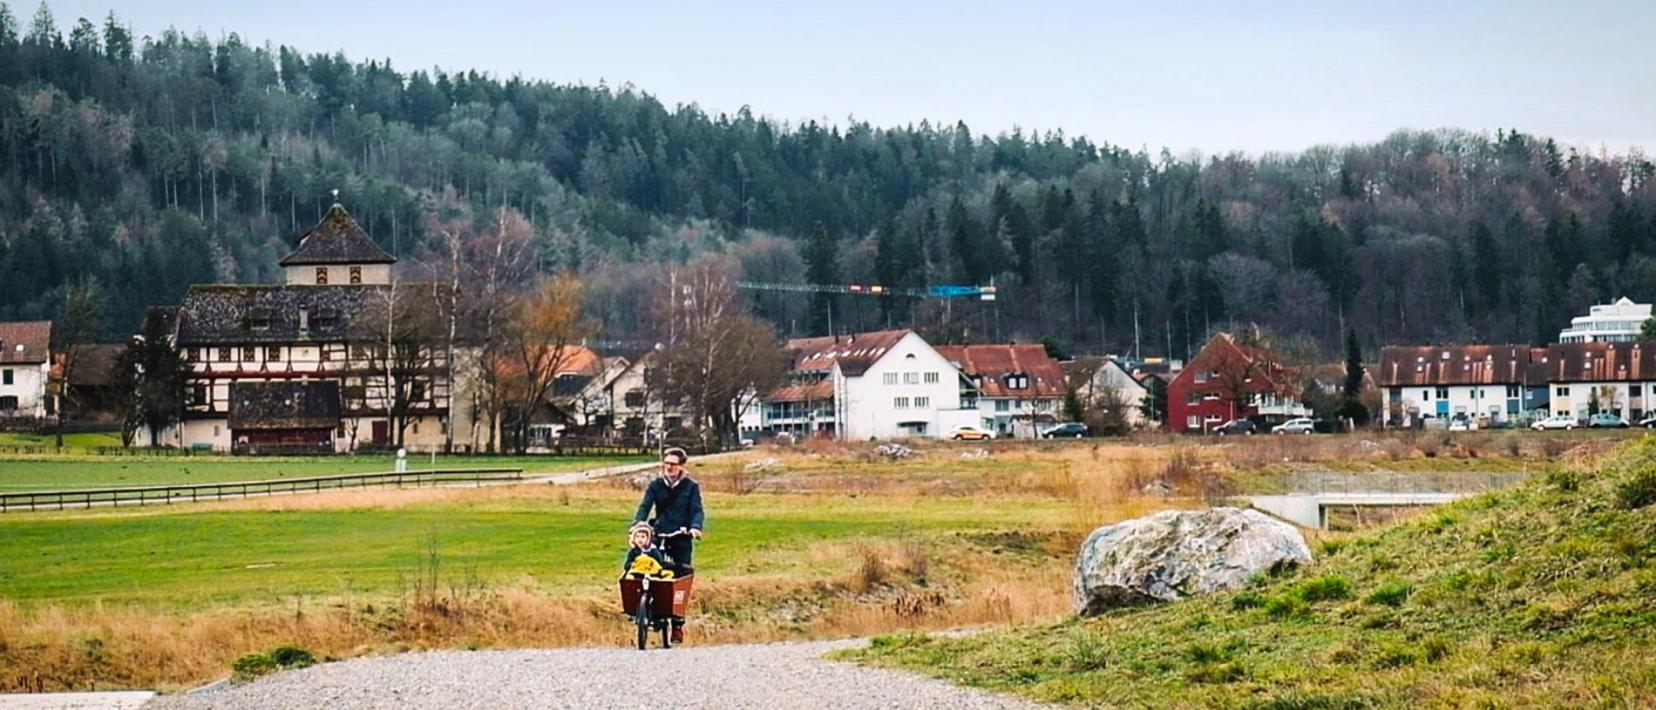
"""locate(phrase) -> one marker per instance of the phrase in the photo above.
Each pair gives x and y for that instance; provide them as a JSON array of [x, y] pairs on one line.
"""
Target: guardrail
[[192, 492]]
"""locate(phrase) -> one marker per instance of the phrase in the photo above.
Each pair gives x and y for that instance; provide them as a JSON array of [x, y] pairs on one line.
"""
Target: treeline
[[152, 163]]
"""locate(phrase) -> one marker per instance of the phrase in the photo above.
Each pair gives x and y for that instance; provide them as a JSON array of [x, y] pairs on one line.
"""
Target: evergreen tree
[[820, 253]]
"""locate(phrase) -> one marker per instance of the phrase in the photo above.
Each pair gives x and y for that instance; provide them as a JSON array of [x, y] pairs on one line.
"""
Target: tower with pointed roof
[[337, 252]]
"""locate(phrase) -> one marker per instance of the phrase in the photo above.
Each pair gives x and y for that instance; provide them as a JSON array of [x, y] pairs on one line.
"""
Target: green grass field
[[36, 473], [193, 558]]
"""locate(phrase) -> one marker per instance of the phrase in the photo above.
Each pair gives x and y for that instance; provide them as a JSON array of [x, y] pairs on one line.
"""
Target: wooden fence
[[185, 493]]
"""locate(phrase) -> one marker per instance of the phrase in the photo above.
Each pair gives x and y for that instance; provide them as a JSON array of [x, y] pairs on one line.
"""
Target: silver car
[[1298, 425]]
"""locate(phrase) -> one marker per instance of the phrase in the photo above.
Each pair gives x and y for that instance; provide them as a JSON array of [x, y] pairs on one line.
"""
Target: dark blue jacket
[[675, 507]]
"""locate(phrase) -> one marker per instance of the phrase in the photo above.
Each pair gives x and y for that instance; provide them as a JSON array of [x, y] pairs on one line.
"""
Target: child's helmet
[[639, 526]]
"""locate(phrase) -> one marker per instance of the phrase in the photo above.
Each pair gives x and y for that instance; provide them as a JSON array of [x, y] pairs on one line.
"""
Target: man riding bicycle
[[676, 499]]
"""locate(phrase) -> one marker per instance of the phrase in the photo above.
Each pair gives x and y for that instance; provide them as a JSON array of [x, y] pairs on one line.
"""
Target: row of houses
[[1516, 383], [304, 365]]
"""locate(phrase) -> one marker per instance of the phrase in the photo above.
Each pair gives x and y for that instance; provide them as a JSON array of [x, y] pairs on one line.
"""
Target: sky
[[1212, 77]]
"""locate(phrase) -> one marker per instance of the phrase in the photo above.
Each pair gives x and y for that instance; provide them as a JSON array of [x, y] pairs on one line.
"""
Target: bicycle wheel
[[643, 623]]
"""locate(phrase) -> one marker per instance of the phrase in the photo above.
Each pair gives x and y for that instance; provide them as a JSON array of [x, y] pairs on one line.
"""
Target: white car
[[971, 433], [1556, 421], [1297, 425], [1648, 422], [1460, 425]]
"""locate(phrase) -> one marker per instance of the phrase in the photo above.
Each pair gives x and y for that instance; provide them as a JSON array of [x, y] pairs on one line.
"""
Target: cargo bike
[[654, 604]]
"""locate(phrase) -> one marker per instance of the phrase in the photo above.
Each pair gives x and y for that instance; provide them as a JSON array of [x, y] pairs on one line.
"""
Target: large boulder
[[1180, 553]]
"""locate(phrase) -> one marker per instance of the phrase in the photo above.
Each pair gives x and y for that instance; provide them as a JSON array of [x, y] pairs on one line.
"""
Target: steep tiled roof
[[337, 239], [284, 405], [991, 366], [1598, 362], [25, 343], [213, 315], [1402, 366], [1223, 351], [855, 353]]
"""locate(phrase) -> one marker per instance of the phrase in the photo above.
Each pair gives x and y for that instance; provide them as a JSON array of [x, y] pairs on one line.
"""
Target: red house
[[1229, 380]]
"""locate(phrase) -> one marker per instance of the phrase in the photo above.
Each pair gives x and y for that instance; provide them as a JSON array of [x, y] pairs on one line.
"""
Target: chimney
[[304, 319]]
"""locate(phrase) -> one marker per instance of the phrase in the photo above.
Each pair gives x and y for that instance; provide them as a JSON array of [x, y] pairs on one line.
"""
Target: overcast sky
[[1210, 76]]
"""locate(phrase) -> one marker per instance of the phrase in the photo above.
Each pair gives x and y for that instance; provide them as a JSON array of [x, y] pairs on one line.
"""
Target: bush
[[1248, 599], [1389, 594], [292, 657], [1286, 606], [1638, 491], [1088, 652], [253, 665]]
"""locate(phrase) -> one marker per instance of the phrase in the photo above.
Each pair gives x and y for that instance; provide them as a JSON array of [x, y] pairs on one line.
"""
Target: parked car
[[1648, 422], [1606, 420], [1460, 425], [1297, 425], [971, 433], [1237, 427], [1556, 421], [1067, 430]]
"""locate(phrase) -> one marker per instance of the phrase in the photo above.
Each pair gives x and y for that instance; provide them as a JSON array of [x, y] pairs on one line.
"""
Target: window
[[634, 399], [889, 378], [192, 355], [325, 318], [922, 402], [1634, 390], [1397, 393], [8, 403], [224, 354], [1201, 376], [1425, 395], [900, 402], [1194, 398], [1561, 392], [1513, 391], [356, 274], [273, 353], [6, 377], [932, 378], [417, 391], [321, 275], [911, 378], [198, 394], [248, 354], [1443, 393], [1002, 405], [1193, 422]]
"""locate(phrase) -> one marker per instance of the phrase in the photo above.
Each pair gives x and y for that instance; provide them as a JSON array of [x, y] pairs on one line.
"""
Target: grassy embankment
[[1543, 595]]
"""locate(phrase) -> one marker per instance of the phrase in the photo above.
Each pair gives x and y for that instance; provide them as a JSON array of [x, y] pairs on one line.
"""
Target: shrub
[[292, 657], [1638, 491], [253, 665], [1565, 481], [1088, 652], [1325, 588], [1389, 594], [1216, 673]]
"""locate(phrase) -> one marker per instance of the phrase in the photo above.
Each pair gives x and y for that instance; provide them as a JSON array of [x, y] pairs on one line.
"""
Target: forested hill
[[153, 163]]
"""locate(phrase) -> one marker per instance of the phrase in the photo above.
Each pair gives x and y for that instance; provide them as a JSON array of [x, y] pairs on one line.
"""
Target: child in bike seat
[[644, 557]]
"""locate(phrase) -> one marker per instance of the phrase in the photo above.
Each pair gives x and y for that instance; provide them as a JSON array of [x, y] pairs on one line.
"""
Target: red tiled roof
[[990, 364], [26, 342], [855, 353], [1403, 366], [1272, 376]]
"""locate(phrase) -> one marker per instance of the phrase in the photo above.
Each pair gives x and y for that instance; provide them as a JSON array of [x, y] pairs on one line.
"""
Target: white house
[[1617, 322], [25, 369], [879, 385], [1095, 379], [1587, 378], [1481, 383], [1018, 389]]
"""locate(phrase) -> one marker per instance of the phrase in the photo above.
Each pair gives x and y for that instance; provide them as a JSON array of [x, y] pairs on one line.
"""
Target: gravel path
[[767, 676]]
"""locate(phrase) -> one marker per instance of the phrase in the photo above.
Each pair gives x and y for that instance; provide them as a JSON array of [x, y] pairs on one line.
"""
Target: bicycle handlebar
[[675, 533]]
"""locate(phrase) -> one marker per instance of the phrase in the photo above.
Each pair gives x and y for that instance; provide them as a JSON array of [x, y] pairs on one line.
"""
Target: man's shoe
[[678, 634]]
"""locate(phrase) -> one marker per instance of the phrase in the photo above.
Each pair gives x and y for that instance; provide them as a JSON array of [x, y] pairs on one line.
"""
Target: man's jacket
[[675, 507]]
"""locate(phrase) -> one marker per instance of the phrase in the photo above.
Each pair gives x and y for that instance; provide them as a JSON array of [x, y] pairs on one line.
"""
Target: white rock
[[1176, 554]]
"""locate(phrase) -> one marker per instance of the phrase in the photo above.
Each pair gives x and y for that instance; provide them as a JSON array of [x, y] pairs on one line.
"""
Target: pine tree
[[1353, 385], [820, 253]]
